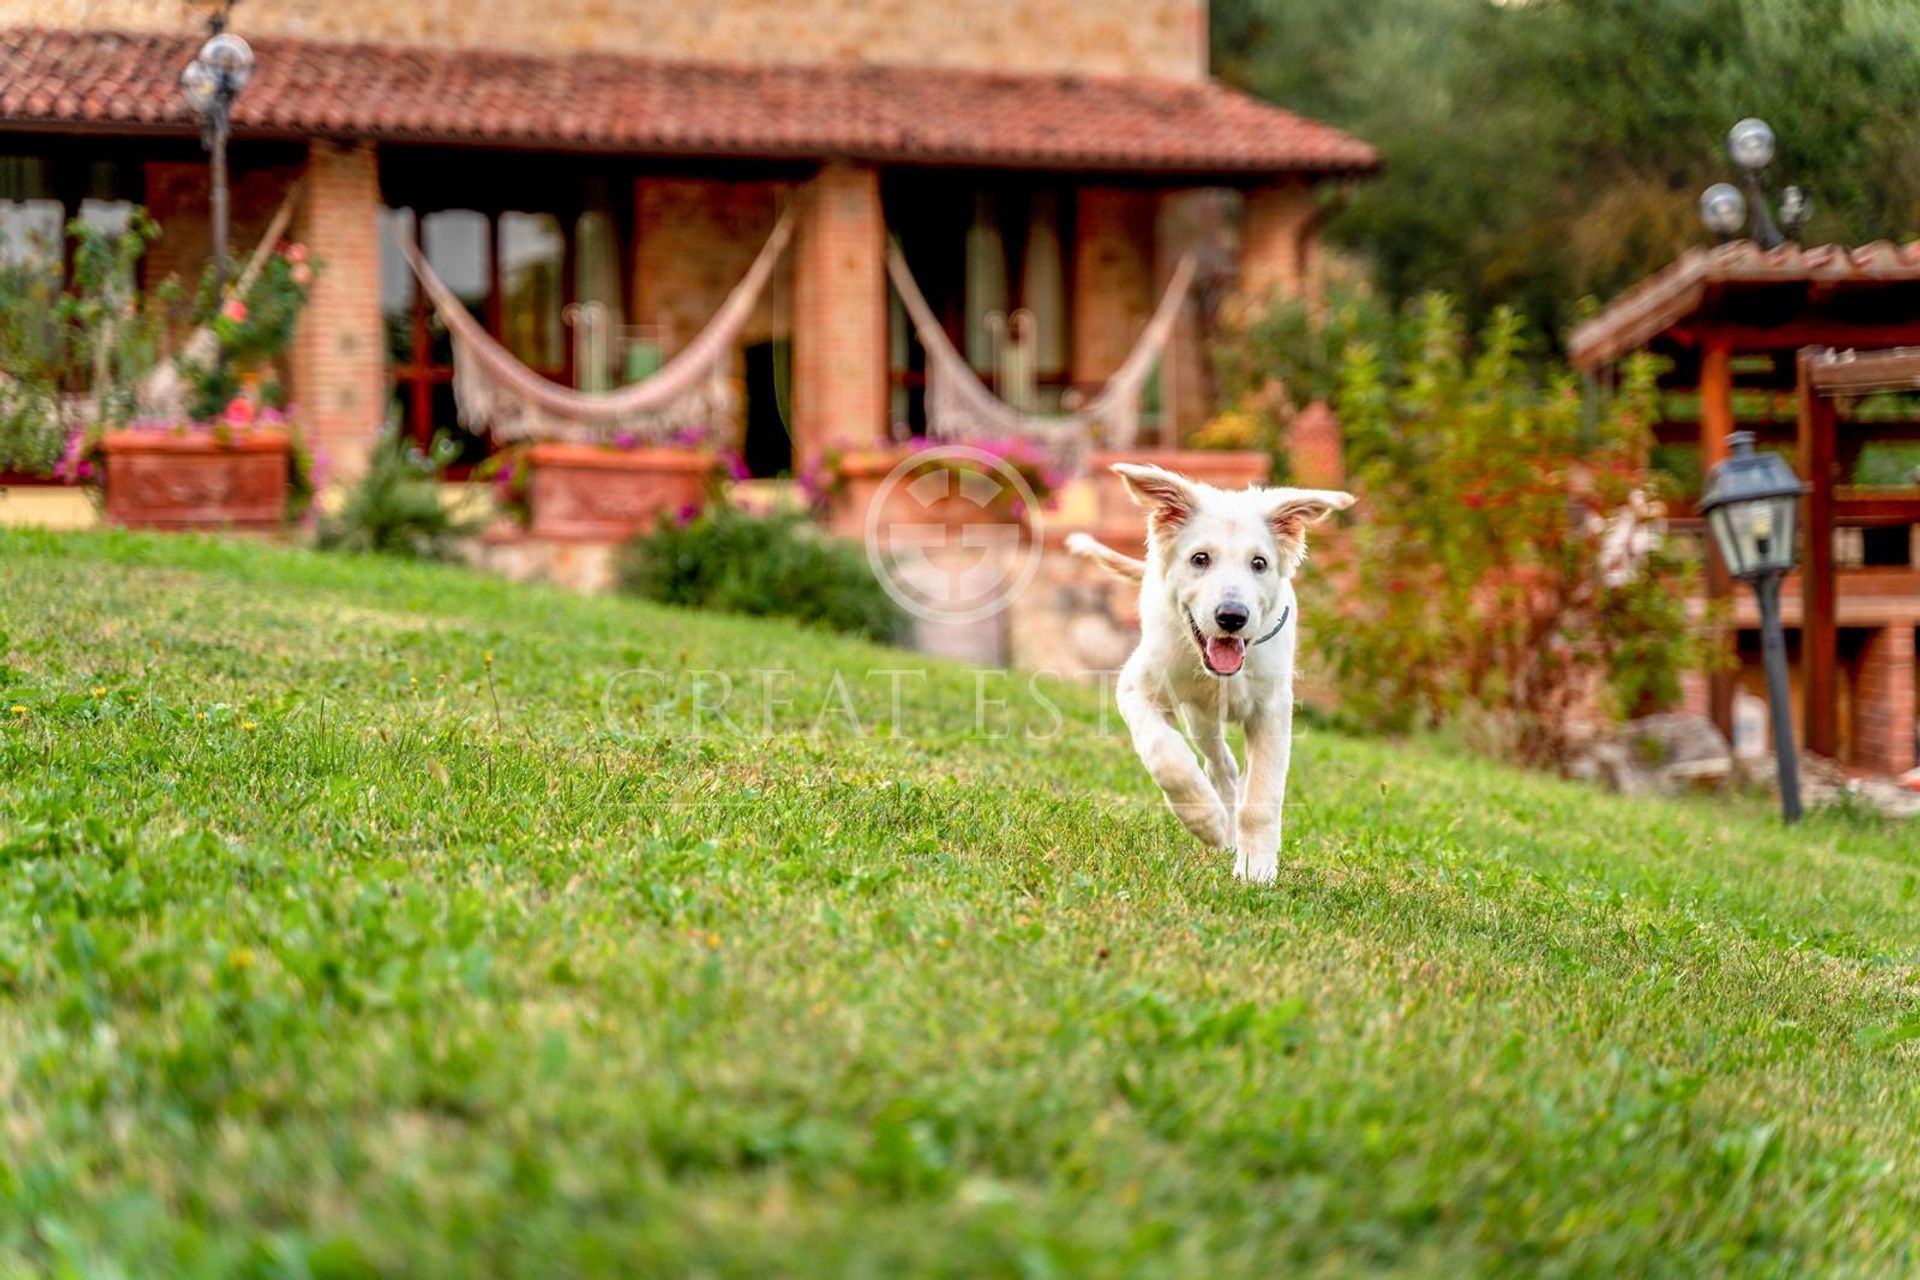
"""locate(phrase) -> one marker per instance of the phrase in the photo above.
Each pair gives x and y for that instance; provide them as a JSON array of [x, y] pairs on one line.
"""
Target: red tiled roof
[[1670, 295], [113, 81]]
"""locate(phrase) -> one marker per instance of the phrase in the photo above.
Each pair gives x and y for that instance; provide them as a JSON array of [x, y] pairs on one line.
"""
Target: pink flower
[[302, 274], [626, 440], [735, 464], [296, 252], [687, 514], [74, 466], [235, 310], [240, 412]]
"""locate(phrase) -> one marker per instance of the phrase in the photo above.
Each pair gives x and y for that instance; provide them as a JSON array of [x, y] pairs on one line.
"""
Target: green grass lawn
[[357, 919]]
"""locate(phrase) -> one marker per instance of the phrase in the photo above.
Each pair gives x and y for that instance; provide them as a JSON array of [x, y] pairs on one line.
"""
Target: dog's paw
[[1208, 822], [1257, 870]]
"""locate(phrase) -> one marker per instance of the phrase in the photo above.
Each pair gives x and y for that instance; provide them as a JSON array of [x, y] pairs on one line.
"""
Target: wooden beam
[[1795, 334], [1859, 505], [1716, 424], [1819, 627], [1842, 373], [1778, 431]]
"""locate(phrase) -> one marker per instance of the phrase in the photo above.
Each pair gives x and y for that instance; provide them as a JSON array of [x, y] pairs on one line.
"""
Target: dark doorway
[[769, 443]]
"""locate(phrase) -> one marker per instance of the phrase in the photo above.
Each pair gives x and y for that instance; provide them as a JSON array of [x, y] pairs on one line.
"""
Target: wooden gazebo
[[1809, 330]]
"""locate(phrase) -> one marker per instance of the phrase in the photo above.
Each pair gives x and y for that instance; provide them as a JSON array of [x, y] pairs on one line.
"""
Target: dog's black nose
[[1231, 617]]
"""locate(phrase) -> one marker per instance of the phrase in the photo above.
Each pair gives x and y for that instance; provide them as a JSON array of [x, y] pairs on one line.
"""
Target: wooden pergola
[[1823, 326]]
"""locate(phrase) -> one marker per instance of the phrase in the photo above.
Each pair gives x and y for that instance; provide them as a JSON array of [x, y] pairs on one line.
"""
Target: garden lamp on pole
[[1750, 144], [211, 83], [1752, 505]]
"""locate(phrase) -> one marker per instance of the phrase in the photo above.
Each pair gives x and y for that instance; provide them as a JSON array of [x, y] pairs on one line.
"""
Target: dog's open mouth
[[1223, 655]]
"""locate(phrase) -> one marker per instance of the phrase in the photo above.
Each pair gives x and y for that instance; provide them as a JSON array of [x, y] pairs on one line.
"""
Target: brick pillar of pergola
[[840, 313], [338, 358]]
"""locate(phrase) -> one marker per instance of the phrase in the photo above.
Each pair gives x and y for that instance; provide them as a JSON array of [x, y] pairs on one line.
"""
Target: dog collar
[[1284, 615]]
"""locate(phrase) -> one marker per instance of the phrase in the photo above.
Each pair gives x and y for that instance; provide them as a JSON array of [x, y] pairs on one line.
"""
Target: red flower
[[235, 310], [239, 412]]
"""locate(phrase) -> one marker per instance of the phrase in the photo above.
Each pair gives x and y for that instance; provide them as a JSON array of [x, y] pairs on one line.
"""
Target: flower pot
[[587, 493], [863, 482], [1221, 468], [194, 480]]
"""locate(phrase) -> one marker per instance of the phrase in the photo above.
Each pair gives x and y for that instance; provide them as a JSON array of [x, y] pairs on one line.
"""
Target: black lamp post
[[211, 82], [1752, 504], [1723, 208]]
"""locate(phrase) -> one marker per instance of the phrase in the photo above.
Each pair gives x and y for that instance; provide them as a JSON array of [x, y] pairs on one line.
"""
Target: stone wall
[[1093, 37]]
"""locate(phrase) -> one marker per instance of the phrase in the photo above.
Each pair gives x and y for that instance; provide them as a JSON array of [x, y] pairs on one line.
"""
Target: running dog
[[1218, 625]]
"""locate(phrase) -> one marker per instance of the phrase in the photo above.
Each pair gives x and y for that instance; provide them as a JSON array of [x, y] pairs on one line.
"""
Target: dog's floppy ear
[[1168, 498], [1290, 511]]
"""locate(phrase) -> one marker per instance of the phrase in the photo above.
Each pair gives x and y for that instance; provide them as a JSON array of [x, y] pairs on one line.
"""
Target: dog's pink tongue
[[1226, 653]]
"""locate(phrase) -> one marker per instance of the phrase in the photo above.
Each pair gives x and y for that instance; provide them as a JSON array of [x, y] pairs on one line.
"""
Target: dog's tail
[[1106, 557]]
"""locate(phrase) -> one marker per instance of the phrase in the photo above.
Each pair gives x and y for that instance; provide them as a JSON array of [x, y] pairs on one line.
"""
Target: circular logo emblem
[[947, 535]]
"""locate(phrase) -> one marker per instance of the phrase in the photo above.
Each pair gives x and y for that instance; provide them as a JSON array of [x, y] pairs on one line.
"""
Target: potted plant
[[74, 349], [234, 460], [988, 481], [606, 492]]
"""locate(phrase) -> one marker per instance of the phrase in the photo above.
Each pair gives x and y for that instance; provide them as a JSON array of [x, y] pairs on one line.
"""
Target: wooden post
[[1819, 628], [1716, 424]]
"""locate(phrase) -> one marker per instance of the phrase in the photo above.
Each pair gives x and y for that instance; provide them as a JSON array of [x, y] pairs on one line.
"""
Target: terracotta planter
[[160, 480], [1221, 468], [583, 492], [864, 473]]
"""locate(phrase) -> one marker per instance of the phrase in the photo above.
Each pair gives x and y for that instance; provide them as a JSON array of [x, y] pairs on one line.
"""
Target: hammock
[[692, 392], [961, 407]]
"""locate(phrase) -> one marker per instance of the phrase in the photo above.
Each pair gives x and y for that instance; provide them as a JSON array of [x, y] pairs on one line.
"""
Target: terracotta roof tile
[[1676, 291], [643, 106]]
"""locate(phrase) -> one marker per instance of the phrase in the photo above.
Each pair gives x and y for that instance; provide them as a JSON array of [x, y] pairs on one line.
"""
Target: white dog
[[1218, 625]]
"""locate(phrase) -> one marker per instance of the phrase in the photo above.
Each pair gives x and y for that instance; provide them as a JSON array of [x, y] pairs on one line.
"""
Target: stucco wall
[[1095, 37]]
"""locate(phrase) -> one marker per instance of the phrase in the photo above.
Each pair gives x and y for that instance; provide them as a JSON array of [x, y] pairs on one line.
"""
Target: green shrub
[[1477, 585], [768, 566], [397, 508]]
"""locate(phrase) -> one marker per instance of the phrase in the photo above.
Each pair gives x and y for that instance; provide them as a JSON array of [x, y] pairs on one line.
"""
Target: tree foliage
[[1536, 151]]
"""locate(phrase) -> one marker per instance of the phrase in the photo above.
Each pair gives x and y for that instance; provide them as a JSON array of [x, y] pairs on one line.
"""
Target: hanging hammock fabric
[[961, 407], [693, 392]]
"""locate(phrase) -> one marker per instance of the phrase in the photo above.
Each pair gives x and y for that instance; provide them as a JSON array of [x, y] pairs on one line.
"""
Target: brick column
[[339, 358], [840, 313], [1279, 241], [1113, 246], [1883, 702]]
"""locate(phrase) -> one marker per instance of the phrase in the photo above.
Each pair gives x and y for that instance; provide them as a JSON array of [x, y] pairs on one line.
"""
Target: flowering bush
[[253, 332], [1505, 572], [73, 351]]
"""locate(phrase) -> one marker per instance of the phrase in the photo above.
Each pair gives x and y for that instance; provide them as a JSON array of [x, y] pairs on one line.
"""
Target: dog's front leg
[[1170, 761], [1269, 752], [1210, 735]]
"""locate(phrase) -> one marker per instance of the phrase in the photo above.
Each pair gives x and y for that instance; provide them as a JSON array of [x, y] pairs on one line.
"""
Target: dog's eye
[[1200, 560], [1259, 564]]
